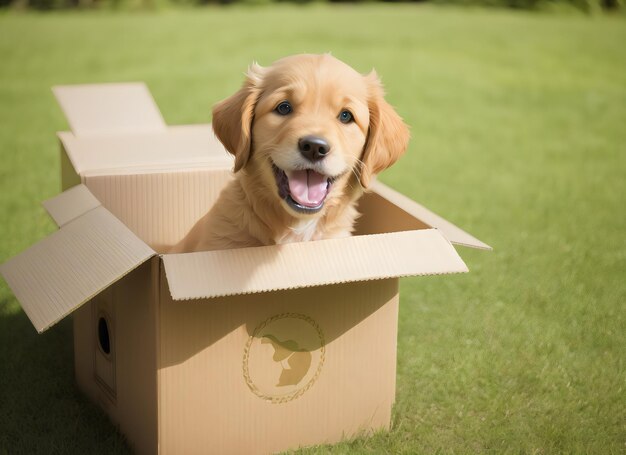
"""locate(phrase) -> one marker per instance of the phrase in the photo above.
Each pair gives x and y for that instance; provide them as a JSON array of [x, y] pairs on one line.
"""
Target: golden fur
[[250, 211]]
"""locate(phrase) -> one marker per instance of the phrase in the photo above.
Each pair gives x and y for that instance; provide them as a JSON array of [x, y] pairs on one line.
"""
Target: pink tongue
[[307, 187]]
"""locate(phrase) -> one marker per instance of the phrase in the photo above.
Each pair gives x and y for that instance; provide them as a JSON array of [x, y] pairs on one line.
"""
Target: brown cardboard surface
[[94, 109], [160, 208], [84, 347], [175, 146], [131, 306], [103, 309], [70, 204], [453, 233], [220, 388], [295, 265], [135, 298], [61, 272], [380, 215]]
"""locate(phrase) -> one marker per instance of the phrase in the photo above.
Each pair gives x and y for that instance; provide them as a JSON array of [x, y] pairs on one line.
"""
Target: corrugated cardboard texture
[[169, 148], [160, 208], [207, 403], [453, 233], [61, 272], [294, 265], [109, 108]]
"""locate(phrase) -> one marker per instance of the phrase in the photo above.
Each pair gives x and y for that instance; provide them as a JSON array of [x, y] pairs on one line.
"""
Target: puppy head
[[303, 126]]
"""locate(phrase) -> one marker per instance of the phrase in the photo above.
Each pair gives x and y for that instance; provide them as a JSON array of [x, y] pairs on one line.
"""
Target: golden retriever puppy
[[308, 134]]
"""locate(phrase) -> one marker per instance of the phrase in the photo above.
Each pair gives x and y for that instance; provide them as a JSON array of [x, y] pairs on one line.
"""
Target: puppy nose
[[313, 148]]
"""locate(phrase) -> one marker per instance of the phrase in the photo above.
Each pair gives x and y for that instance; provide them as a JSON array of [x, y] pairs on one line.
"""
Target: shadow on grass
[[41, 409]]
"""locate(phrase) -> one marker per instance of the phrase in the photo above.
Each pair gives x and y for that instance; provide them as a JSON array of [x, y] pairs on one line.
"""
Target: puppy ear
[[388, 136], [232, 117]]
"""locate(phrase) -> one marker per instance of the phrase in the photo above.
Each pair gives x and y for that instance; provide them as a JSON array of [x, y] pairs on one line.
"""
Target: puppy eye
[[345, 116], [284, 108]]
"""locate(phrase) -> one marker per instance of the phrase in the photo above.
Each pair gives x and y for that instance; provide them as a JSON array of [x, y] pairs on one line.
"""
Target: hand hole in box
[[104, 340]]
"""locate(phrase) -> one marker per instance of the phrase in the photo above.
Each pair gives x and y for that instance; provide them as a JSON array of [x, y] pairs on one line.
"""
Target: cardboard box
[[253, 350]]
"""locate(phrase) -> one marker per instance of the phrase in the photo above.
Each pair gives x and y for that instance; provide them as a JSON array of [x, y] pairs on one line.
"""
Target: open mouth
[[303, 190]]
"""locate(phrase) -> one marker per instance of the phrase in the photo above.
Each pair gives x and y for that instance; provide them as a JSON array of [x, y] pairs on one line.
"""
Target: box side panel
[[105, 355], [273, 371], [84, 351], [136, 383], [160, 208], [95, 375], [378, 216], [95, 372], [121, 377]]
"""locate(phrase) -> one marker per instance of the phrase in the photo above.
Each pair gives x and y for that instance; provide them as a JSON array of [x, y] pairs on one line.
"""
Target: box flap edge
[[271, 268]]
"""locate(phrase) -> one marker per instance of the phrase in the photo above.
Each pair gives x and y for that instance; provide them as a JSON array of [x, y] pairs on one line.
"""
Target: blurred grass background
[[519, 133], [585, 6]]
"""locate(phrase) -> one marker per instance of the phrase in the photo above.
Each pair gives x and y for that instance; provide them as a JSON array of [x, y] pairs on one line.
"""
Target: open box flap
[[92, 250], [70, 204], [192, 145], [296, 265], [453, 233], [109, 108]]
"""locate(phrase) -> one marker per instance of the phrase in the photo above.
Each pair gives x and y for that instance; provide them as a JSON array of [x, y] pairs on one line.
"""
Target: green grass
[[519, 133]]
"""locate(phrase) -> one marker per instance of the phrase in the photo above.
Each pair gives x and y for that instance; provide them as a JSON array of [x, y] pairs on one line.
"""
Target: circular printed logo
[[284, 357]]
